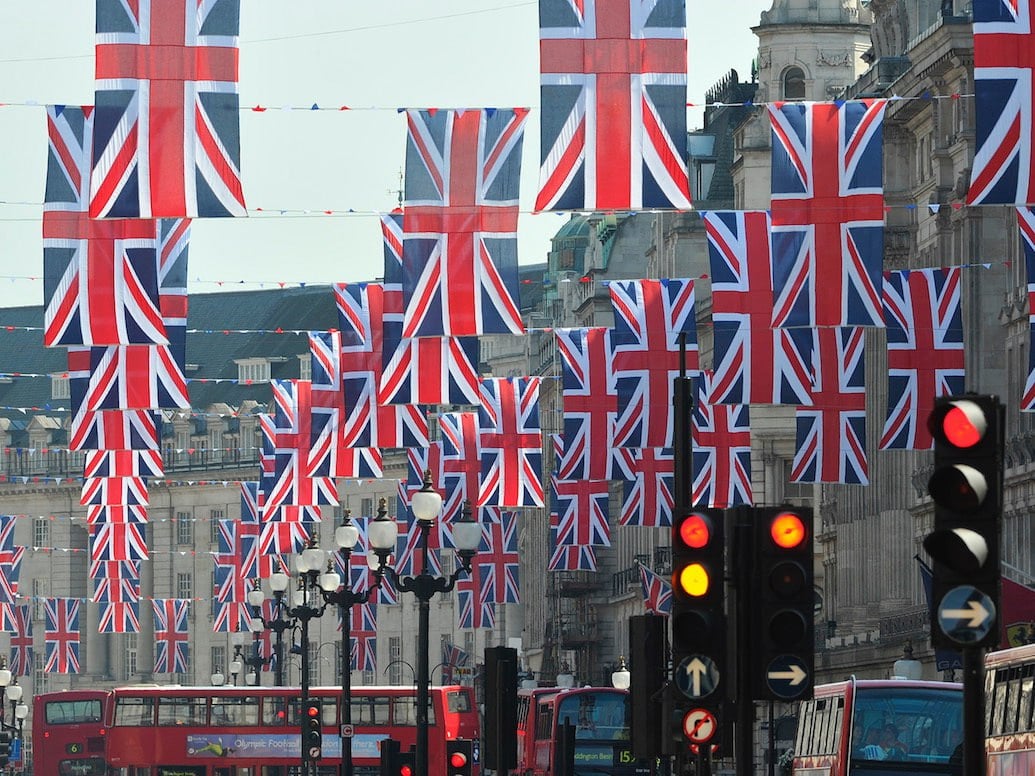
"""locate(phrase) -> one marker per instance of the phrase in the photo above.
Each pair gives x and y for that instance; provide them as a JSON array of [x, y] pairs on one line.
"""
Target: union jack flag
[[409, 546], [461, 462], [97, 514], [590, 403], [753, 362], [232, 581], [648, 486], [167, 142], [289, 532], [113, 429], [613, 92], [564, 557], [123, 463], [582, 508], [100, 278], [172, 646], [460, 251], [498, 561], [392, 237], [657, 592], [131, 377], [721, 450], [62, 615], [119, 617], [233, 616], [1026, 226], [1003, 85], [510, 442], [327, 406], [652, 317], [831, 434], [21, 640], [115, 581], [827, 213], [117, 540], [10, 560], [473, 610], [363, 631], [925, 351], [431, 370], [113, 491], [452, 657]]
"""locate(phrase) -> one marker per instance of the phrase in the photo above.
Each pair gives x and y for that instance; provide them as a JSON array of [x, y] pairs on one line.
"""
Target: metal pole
[[973, 712], [278, 674], [772, 743], [346, 677], [744, 752], [424, 593], [304, 681]]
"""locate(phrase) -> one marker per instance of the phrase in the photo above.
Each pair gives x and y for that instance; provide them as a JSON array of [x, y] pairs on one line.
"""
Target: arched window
[[794, 84]]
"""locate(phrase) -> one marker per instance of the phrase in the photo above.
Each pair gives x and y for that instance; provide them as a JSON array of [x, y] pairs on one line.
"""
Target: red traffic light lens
[[406, 770], [313, 711], [696, 531], [787, 530], [964, 425], [458, 759]]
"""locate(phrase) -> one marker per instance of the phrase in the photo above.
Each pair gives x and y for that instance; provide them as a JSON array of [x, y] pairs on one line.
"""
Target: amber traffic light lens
[[695, 531], [787, 530], [694, 580]]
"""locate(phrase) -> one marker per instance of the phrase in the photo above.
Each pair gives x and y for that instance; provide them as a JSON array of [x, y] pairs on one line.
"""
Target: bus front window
[[907, 725]]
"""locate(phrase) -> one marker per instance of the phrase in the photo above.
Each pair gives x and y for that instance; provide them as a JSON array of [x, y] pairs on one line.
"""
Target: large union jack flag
[[473, 610], [1026, 226], [582, 508], [21, 640], [721, 450], [460, 220], [569, 557], [657, 592], [364, 637], [510, 443], [167, 139], [831, 434], [828, 213], [498, 561], [754, 363], [62, 615], [172, 646], [100, 278], [652, 318], [117, 540], [115, 581], [613, 94], [431, 370], [925, 351], [590, 403], [119, 617], [1004, 82], [648, 487]]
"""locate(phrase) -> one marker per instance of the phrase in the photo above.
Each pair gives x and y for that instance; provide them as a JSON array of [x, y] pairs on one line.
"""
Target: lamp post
[[278, 624], [383, 534], [306, 607], [620, 677], [237, 639], [5, 681], [426, 505]]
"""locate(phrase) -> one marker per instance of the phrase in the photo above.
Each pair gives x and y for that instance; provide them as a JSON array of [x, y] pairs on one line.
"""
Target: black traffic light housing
[[967, 489], [698, 615], [459, 757], [781, 626], [312, 729], [500, 735], [648, 656]]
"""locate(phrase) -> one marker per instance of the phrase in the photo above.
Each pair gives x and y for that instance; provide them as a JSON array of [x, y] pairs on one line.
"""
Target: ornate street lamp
[[305, 606], [278, 624], [426, 505], [383, 534], [621, 678]]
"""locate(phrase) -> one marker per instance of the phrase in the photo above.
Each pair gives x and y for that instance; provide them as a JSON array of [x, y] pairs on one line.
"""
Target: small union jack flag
[[232, 581], [1026, 226], [582, 509], [1004, 83], [461, 463], [62, 615], [123, 463], [115, 581], [657, 592], [452, 657], [721, 450], [563, 557], [113, 429], [647, 479], [233, 616], [21, 640], [831, 434], [652, 319], [473, 611], [168, 129], [114, 491], [119, 617], [364, 637], [827, 213], [172, 645], [10, 560], [460, 221], [510, 443], [590, 403], [925, 351], [613, 94], [498, 561], [753, 362]]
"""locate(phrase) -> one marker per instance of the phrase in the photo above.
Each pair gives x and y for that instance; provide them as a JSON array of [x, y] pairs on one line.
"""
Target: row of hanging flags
[[793, 290]]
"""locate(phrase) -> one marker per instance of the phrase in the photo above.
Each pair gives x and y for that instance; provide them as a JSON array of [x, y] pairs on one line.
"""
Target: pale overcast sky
[[373, 57]]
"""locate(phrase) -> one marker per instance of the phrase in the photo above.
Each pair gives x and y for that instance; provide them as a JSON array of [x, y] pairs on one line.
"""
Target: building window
[[184, 585], [39, 594], [366, 507], [59, 387], [40, 677], [394, 658], [130, 667], [794, 84], [253, 371], [305, 367], [41, 532], [219, 660], [214, 516], [184, 528]]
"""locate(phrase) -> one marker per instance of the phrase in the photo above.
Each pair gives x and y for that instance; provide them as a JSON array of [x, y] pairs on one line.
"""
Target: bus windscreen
[[921, 726]]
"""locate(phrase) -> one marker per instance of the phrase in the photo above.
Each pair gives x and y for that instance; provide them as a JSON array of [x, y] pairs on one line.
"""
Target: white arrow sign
[[696, 669], [794, 675], [974, 614]]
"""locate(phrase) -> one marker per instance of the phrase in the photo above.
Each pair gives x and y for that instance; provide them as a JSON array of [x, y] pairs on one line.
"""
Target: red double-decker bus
[[255, 731], [68, 733]]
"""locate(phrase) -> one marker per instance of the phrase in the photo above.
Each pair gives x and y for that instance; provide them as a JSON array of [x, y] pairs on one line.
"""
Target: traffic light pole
[[973, 712], [745, 717]]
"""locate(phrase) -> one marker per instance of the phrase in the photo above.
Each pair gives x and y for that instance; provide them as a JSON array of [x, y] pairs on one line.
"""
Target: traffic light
[[459, 756], [967, 489], [5, 746], [781, 625], [500, 733], [312, 729], [698, 616], [405, 763], [648, 656]]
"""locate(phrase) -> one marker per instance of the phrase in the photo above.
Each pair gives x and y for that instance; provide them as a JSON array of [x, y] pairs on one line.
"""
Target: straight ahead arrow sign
[[695, 670]]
